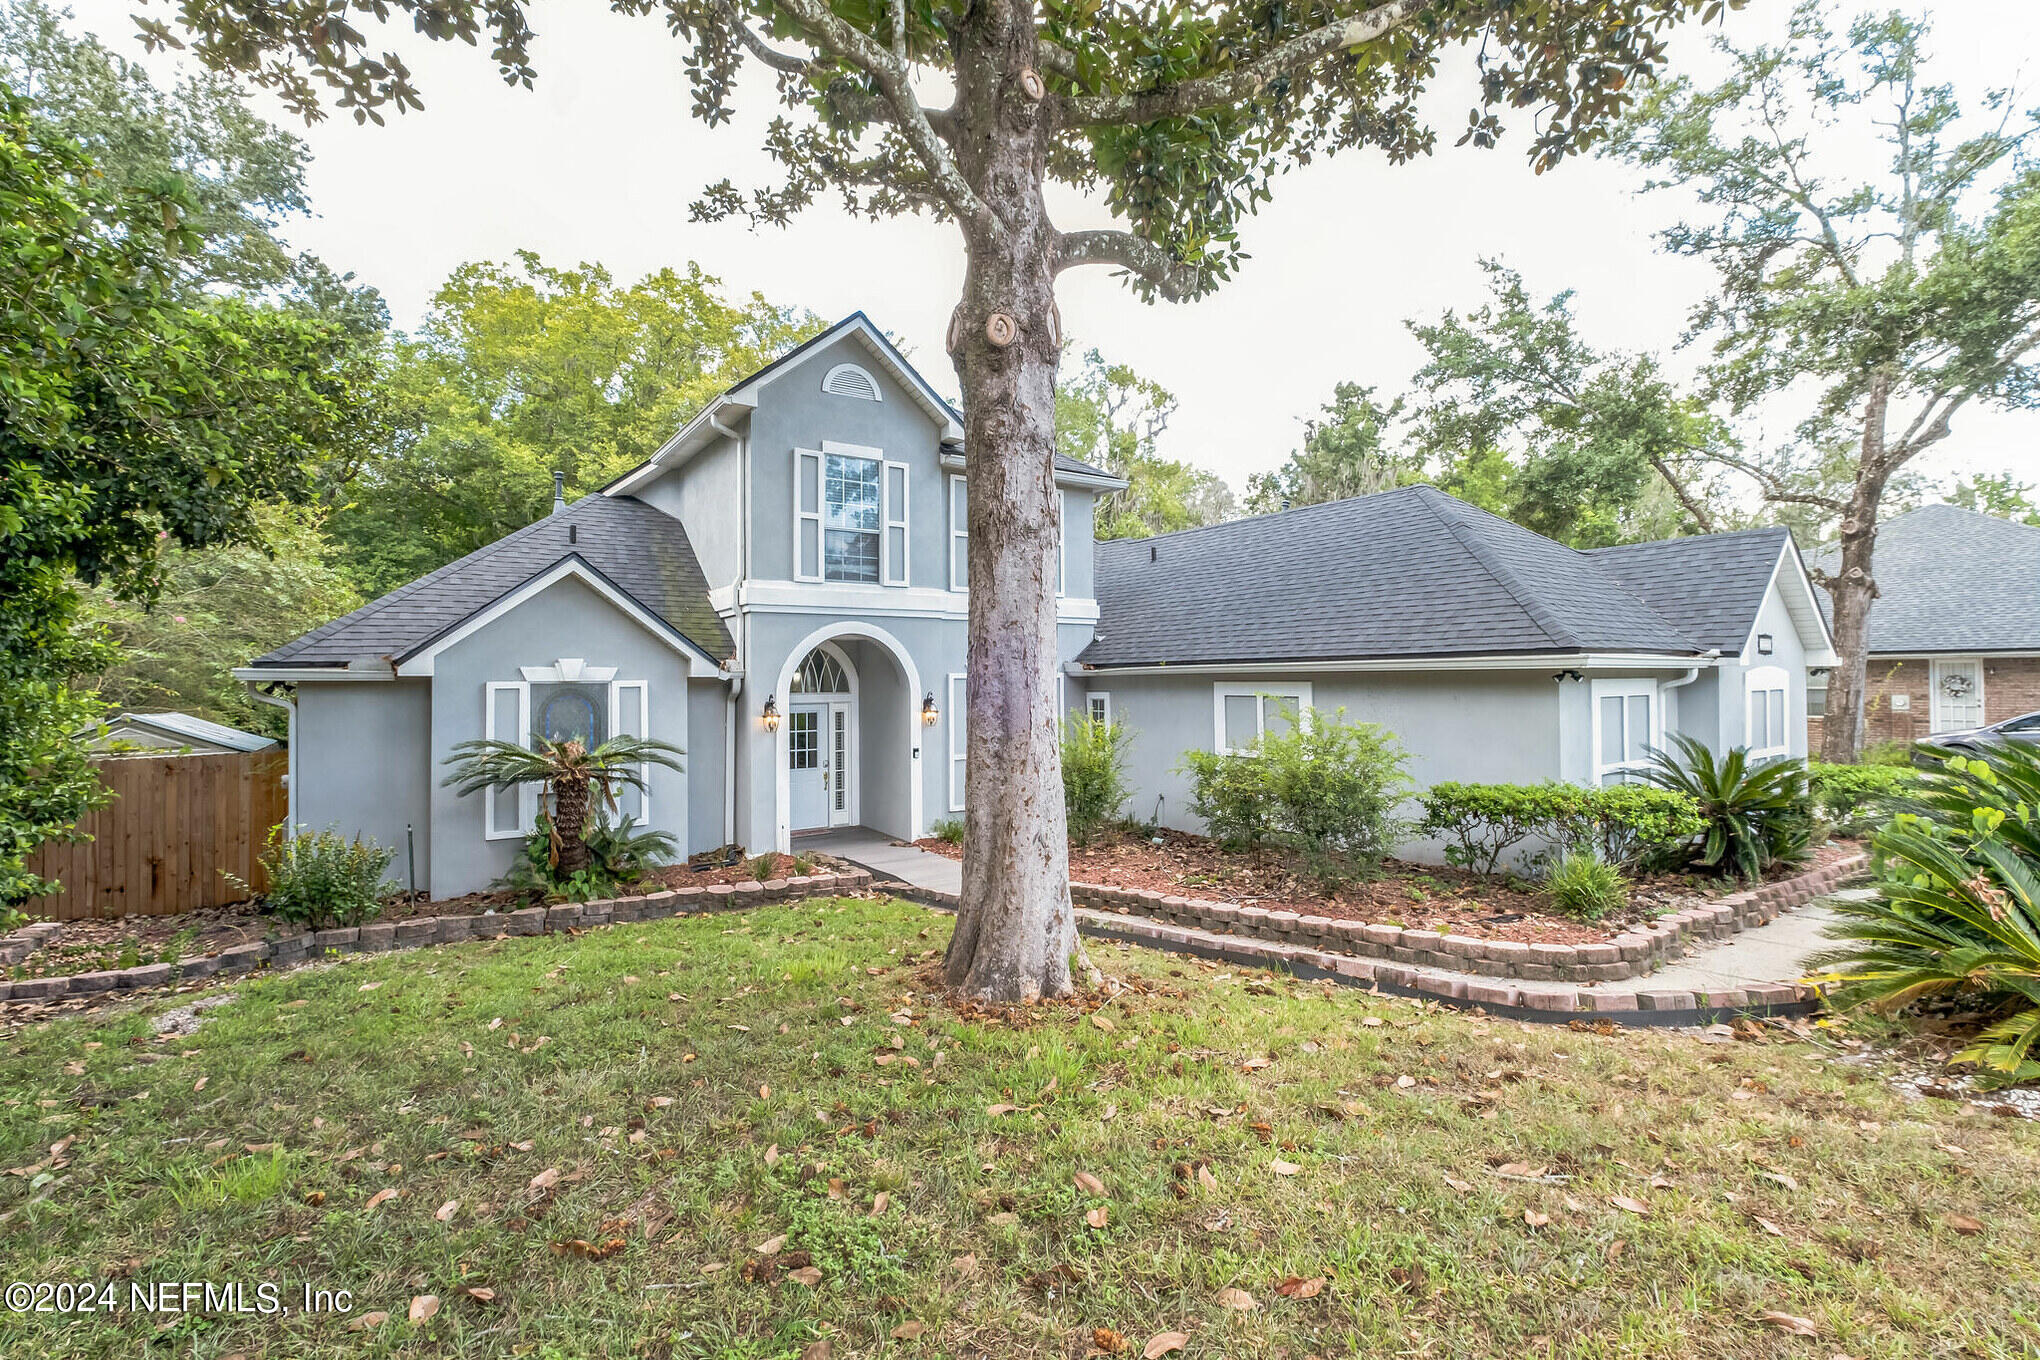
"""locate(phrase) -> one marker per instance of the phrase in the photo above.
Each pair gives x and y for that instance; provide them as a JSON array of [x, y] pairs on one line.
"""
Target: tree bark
[[1015, 929], [1852, 587]]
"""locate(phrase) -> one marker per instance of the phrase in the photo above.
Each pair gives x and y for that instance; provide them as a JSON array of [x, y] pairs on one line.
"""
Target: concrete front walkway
[[1768, 955]]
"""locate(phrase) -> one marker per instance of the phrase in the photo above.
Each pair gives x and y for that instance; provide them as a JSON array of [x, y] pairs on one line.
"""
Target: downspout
[[1692, 673], [289, 706], [731, 710]]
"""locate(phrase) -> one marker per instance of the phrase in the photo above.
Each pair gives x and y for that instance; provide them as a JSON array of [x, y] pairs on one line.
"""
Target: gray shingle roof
[[1412, 572], [1952, 580], [642, 551], [1712, 584]]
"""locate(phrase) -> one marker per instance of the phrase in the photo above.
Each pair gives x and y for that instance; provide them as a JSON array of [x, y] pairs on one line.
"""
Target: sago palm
[[569, 771], [1757, 812]]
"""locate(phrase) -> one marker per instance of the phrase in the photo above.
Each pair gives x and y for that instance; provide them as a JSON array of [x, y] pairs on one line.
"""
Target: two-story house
[[781, 592]]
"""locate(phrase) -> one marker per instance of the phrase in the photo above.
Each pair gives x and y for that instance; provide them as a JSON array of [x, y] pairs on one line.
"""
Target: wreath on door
[[1957, 685]]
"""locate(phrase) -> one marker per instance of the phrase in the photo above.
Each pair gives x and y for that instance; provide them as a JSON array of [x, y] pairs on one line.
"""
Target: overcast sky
[[601, 159]]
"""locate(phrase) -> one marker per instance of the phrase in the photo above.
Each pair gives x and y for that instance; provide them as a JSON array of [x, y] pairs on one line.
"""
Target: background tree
[[522, 369], [214, 609], [1996, 493], [1111, 417], [126, 412], [1594, 448], [1179, 119], [1347, 451], [1892, 300]]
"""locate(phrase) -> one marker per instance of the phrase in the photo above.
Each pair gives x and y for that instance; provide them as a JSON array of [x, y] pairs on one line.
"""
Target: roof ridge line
[[1539, 612]]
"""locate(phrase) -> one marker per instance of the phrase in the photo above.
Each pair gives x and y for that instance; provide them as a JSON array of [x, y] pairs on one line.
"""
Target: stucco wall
[[364, 765], [704, 496], [568, 619]]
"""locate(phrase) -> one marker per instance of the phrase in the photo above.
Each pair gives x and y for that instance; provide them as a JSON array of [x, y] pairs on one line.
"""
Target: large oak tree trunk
[[1015, 929], [1852, 588]]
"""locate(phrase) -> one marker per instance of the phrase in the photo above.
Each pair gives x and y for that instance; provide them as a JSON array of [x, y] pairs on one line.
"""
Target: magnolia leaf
[[424, 1308], [1239, 1300], [1162, 1343]]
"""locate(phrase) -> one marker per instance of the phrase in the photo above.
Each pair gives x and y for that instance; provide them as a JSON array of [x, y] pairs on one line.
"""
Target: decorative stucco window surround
[[569, 695], [1243, 714], [1628, 721]]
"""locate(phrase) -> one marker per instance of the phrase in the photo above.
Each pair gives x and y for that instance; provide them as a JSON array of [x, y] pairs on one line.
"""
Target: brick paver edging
[[1550, 1005], [1635, 954], [286, 950], [18, 945]]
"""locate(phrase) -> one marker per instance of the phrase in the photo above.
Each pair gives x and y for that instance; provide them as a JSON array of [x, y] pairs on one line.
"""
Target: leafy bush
[[1326, 788], [1958, 906], [1854, 798], [12, 919], [1756, 814], [1886, 753], [1585, 886], [1483, 821], [619, 854], [949, 829], [1621, 823], [320, 879], [1093, 774]]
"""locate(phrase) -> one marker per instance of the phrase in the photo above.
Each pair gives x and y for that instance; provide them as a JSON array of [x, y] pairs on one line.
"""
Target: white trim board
[[841, 598], [420, 660], [1573, 660]]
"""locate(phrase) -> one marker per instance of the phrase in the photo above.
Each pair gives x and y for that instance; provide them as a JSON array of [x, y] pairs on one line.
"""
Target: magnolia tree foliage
[[1177, 118]]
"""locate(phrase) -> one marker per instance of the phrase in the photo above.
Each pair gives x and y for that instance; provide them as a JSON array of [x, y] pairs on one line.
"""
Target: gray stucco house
[[781, 591]]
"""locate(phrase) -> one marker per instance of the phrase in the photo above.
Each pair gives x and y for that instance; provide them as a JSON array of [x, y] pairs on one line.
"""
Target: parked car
[[2024, 729]]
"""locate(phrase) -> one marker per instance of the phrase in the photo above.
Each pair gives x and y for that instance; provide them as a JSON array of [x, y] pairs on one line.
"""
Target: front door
[[1958, 695], [818, 772]]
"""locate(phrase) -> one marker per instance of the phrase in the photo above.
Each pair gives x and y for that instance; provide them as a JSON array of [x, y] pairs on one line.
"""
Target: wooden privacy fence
[[177, 826]]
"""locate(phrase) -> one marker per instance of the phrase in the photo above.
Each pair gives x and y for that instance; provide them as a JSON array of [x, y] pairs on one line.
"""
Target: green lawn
[[1451, 1182]]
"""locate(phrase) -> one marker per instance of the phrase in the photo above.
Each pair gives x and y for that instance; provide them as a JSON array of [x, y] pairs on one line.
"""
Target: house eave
[[1505, 661]]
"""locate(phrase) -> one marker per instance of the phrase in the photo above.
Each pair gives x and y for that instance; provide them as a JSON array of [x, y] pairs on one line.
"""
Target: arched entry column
[[893, 758]]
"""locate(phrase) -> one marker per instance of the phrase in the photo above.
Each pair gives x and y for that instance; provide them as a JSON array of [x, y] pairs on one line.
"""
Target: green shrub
[[12, 919], [321, 879], [1853, 799], [1482, 821], [1621, 823], [1957, 909], [1756, 814], [1585, 886], [949, 829], [1886, 753], [1093, 774], [1326, 788], [619, 854]]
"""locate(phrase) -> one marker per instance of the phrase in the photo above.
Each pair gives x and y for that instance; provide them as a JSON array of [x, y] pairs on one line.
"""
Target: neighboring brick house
[[1955, 628]]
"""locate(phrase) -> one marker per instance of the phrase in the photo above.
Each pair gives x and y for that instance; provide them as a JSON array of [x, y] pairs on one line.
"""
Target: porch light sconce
[[771, 714], [1764, 644], [1568, 675], [929, 713]]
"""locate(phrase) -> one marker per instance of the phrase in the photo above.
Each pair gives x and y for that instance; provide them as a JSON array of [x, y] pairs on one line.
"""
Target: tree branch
[[1773, 488], [1247, 81], [1137, 255], [1693, 506]]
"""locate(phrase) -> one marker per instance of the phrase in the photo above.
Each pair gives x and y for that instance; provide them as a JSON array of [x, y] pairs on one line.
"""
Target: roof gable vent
[[848, 380]]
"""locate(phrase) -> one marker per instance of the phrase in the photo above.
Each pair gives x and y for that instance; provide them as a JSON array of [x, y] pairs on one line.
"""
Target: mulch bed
[[89, 946], [1414, 896]]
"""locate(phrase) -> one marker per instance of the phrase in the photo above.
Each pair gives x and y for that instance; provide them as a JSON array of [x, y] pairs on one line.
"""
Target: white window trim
[[959, 532], [959, 698], [1934, 704], [527, 801], [829, 381], [891, 517], [1221, 691], [1097, 699], [1626, 689], [802, 460], [644, 727], [869, 455], [1761, 680]]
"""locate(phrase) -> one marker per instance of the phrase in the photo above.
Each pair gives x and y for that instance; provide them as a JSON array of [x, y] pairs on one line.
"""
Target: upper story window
[[848, 380], [850, 518]]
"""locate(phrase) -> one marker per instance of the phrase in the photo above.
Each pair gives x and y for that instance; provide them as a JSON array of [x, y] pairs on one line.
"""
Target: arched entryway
[[847, 746]]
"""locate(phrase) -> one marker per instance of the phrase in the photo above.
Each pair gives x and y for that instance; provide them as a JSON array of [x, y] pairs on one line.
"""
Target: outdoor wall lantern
[[771, 714], [929, 713], [1763, 644], [1568, 674]]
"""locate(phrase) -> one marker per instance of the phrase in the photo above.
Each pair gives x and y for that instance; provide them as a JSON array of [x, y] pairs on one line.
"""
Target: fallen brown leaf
[[1239, 1300], [1535, 1219], [1282, 1168], [1301, 1287], [1786, 1322], [1628, 1205], [380, 1197], [424, 1308], [1964, 1224], [368, 1320], [1162, 1343], [1097, 1217], [1089, 1184], [909, 1331], [446, 1211]]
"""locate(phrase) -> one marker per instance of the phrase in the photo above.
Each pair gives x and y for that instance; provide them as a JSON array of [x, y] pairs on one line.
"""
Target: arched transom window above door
[[820, 673]]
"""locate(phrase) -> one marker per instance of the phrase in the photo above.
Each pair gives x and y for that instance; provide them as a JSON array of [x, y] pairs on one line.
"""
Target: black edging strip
[[1631, 1019]]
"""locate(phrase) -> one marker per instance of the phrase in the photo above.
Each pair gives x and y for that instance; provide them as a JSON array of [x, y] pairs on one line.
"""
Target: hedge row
[[1621, 823]]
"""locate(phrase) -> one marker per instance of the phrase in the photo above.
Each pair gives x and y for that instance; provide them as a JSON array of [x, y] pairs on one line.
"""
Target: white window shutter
[[893, 492], [807, 515], [506, 716], [959, 535], [959, 700], [630, 715]]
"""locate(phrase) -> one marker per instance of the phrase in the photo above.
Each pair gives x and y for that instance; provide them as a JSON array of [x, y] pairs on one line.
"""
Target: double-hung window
[[1243, 714], [1766, 690], [1627, 725], [851, 539], [849, 516]]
